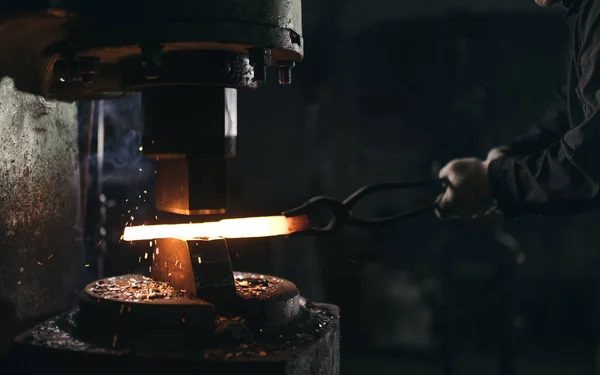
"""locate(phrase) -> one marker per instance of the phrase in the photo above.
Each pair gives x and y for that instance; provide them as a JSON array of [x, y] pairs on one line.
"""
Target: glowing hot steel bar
[[250, 227]]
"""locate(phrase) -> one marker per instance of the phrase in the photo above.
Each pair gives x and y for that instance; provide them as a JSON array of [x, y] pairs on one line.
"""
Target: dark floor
[[354, 362]]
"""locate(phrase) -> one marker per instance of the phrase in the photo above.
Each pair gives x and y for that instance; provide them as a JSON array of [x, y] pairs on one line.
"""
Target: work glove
[[469, 193]]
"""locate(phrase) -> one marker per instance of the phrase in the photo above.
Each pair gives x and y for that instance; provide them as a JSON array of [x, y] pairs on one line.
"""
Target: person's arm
[[547, 131], [564, 177]]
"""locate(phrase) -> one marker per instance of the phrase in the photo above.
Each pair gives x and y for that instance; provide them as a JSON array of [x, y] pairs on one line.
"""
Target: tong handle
[[353, 199], [391, 219]]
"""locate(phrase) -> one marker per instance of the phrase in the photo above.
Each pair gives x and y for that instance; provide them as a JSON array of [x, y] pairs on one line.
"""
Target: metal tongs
[[341, 211]]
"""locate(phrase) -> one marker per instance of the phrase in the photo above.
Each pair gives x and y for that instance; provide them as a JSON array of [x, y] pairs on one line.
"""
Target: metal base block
[[308, 345]]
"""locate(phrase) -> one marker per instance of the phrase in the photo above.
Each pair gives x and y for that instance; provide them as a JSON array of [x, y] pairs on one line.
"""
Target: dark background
[[390, 91]]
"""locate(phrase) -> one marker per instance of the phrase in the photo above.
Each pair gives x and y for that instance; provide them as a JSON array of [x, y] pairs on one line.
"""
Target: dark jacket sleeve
[[563, 178], [549, 130]]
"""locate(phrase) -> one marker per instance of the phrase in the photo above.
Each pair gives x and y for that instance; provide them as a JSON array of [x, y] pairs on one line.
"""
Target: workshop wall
[[353, 16]]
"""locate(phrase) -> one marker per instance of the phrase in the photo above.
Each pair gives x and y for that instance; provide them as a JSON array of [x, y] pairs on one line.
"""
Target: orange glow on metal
[[249, 227]]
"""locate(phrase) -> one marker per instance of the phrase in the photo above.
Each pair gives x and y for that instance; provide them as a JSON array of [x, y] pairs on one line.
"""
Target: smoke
[[116, 157]]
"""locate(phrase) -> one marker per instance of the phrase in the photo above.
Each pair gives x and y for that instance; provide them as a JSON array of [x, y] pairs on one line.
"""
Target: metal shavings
[[256, 285], [261, 344], [134, 288]]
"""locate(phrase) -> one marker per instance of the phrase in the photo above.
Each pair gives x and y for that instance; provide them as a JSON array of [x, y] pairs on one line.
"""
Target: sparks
[[50, 257], [199, 260], [145, 255], [141, 148], [87, 265]]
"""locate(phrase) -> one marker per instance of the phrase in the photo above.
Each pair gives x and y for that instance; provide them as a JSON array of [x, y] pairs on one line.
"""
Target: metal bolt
[[260, 59], [260, 73], [285, 75], [285, 72]]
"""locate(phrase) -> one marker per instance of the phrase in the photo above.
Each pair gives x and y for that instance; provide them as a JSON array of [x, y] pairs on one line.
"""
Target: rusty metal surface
[[237, 23], [310, 346], [137, 305], [173, 264], [113, 30], [285, 14], [41, 251], [269, 301], [261, 302]]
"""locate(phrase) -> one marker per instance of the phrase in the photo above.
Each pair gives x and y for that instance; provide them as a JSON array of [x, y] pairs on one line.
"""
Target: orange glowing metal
[[250, 227]]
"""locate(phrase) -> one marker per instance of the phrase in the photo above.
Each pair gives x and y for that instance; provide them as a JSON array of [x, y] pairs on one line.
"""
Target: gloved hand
[[469, 193]]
